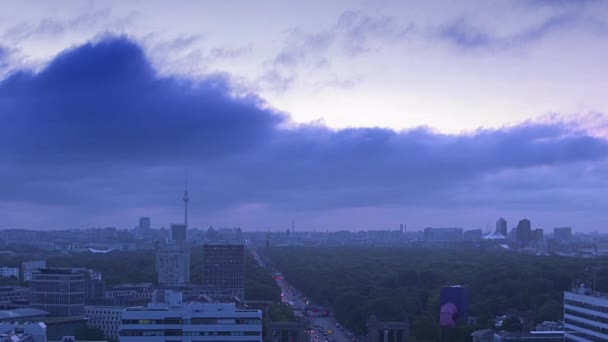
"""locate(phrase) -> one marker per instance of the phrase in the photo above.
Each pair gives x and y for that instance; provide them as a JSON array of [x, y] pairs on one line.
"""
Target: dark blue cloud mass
[[100, 130]]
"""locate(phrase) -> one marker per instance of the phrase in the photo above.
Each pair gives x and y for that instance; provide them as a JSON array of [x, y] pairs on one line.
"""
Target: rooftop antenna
[[186, 199]]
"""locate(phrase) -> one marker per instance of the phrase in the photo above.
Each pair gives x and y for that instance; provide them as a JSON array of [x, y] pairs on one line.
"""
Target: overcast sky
[[338, 114]]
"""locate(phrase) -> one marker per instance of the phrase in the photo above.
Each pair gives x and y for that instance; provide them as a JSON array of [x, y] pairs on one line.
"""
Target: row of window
[[193, 321], [170, 332], [582, 335], [594, 307], [591, 317], [587, 326]]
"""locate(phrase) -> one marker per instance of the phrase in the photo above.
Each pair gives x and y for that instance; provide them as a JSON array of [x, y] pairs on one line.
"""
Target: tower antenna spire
[[186, 199]]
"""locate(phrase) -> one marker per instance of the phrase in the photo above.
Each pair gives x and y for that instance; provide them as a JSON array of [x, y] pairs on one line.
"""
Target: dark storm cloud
[[99, 128], [104, 101]]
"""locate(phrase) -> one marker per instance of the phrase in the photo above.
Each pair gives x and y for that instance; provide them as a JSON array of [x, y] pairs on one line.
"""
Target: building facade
[[173, 265], [28, 332], [58, 291], [443, 234], [104, 318], [585, 315], [144, 223], [473, 235], [7, 272], [501, 226], [13, 294], [27, 267], [189, 322], [179, 232], [223, 267], [524, 231], [562, 234]]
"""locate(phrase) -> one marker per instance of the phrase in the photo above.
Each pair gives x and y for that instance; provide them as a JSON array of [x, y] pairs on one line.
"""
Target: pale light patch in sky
[[521, 60]]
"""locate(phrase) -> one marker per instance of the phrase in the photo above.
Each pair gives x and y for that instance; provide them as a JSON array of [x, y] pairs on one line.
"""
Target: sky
[[338, 115]]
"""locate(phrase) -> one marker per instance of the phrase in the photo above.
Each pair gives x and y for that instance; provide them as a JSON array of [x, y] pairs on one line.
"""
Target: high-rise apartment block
[[223, 267], [58, 291], [173, 264]]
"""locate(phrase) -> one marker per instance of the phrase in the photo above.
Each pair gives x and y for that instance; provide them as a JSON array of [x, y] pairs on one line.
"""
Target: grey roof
[[21, 313]]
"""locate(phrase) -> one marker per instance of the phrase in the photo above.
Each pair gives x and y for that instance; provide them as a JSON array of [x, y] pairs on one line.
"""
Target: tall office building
[[59, 291], [144, 223], [524, 231], [562, 234], [501, 226], [179, 233], [223, 267], [173, 265], [189, 322], [538, 234], [585, 315]]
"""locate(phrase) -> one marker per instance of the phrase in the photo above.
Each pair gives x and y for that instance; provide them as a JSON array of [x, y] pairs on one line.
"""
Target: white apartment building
[[190, 322], [27, 267], [173, 264], [105, 318], [585, 315], [6, 272]]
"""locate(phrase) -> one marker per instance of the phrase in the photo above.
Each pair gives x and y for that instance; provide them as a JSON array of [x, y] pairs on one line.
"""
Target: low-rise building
[[28, 332], [7, 272], [23, 315], [190, 322], [13, 294]]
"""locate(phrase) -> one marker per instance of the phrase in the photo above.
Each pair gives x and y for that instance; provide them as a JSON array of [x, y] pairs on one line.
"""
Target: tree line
[[403, 283]]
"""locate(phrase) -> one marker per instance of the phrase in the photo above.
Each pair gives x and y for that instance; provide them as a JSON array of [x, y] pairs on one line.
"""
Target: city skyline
[[357, 115]]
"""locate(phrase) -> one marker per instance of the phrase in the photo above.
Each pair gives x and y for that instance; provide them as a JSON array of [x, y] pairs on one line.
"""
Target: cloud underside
[[99, 128]]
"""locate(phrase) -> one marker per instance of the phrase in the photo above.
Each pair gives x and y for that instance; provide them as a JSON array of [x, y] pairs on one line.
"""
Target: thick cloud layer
[[99, 130]]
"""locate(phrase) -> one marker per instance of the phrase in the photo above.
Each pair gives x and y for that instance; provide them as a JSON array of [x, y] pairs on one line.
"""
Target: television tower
[[186, 199]]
